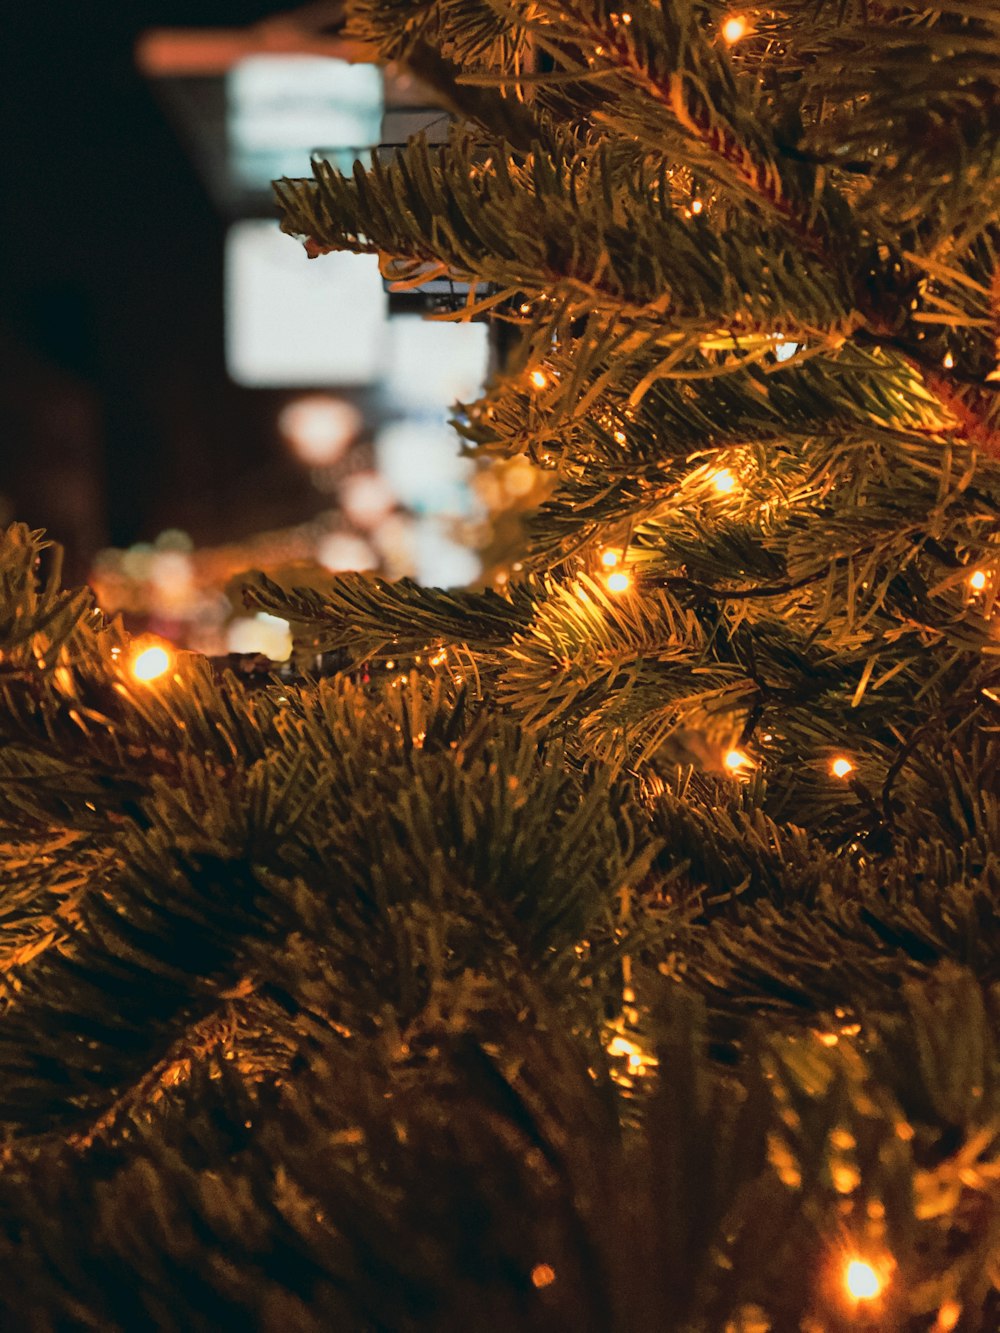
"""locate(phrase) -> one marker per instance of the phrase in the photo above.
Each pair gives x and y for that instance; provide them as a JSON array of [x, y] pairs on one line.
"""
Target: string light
[[609, 559], [948, 1316], [948, 361], [724, 481], [151, 663], [639, 1062], [620, 437], [734, 28], [696, 206], [543, 1275], [841, 767], [734, 760], [539, 379], [618, 582], [861, 1281], [977, 580]]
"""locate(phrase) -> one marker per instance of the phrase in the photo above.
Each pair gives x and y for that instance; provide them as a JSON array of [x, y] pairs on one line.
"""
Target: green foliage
[[469, 988]]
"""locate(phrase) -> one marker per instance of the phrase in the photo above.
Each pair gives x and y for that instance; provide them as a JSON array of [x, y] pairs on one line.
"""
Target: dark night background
[[116, 415]]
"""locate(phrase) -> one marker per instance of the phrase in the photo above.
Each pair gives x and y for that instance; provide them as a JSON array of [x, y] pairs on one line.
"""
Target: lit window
[[283, 108], [262, 633], [431, 364], [294, 321]]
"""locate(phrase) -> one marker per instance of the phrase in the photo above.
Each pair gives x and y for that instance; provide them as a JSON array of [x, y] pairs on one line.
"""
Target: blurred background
[[183, 394]]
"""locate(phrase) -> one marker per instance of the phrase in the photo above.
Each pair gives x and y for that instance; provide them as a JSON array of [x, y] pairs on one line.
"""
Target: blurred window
[[292, 321], [277, 105]]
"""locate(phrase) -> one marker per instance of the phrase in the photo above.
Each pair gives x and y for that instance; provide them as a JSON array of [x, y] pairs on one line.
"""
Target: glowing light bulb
[[543, 1275], [724, 481], [734, 28], [977, 580], [618, 582], [620, 437], [948, 361], [861, 1281], [696, 206], [734, 760], [841, 767], [539, 379], [948, 1316], [609, 559], [151, 663]]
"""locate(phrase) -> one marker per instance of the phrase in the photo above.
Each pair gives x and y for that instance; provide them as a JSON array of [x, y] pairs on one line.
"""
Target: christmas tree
[[615, 947]]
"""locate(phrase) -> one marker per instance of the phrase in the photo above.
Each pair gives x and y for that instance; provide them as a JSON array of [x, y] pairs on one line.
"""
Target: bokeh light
[[319, 428]]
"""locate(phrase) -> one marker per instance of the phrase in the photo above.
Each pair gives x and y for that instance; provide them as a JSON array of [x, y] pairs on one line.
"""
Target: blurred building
[[184, 391]]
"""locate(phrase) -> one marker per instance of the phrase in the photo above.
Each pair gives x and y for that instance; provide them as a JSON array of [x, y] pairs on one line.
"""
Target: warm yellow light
[[734, 28], [609, 559], [618, 582], [948, 1316], [841, 767], [735, 759], [861, 1281], [948, 361], [724, 481], [977, 581], [543, 1275], [620, 437], [539, 379], [696, 206], [151, 663]]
